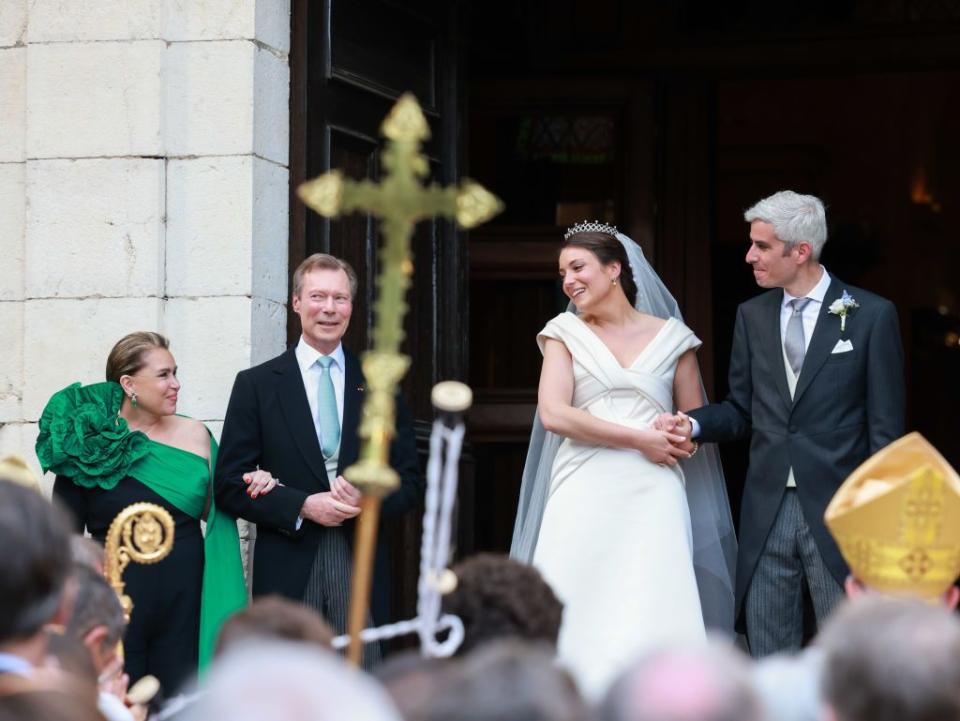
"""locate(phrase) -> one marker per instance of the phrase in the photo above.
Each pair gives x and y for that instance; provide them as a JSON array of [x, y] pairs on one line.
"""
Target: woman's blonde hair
[[126, 357]]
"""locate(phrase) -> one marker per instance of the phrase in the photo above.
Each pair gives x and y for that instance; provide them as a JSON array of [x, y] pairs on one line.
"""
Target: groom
[[816, 383]]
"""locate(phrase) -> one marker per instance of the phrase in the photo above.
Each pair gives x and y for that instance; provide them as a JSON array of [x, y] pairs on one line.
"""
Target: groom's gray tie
[[794, 343]]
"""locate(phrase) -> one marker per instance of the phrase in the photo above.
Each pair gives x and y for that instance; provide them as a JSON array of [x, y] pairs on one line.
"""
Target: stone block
[[271, 217], [210, 338], [227, 227], [209, 226], [68, 340], [78, 20], [211, 20], [216, 428], [273, 24], [94, 227], [13, 104], [28, 442], [209, 98], [271, 107], [11, 361], [10, 435], [13, 22], [12, 220], [111, 93], [268, 330]]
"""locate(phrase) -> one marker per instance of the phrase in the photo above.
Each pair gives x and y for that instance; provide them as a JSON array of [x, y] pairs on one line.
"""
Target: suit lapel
[[296, 410], [775, 346], [353, 388], [825, 336]]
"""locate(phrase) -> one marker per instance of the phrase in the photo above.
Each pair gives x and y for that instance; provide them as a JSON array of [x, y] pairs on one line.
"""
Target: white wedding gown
[[615, 541]]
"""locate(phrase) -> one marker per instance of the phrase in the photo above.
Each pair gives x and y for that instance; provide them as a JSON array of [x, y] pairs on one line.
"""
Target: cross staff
[[400, 201]]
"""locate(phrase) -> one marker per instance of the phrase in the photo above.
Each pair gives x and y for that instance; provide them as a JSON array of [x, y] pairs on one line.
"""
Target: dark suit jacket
[[268, 423], [846, 407]]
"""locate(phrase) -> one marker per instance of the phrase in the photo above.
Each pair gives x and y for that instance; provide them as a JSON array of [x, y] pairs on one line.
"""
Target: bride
[[630, 525]]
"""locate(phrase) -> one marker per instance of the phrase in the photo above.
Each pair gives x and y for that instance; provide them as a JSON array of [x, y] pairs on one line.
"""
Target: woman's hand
[[259, 483], [662, 447], [679, 424]]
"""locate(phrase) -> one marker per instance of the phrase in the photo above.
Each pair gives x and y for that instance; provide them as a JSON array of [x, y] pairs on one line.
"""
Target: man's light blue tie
[[794, 342], [327, 409]]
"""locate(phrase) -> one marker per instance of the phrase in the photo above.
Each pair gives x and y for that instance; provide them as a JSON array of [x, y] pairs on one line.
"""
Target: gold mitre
[[896, 520]]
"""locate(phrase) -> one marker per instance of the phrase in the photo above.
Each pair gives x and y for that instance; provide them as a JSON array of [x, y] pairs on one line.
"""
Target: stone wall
[[143, 185]]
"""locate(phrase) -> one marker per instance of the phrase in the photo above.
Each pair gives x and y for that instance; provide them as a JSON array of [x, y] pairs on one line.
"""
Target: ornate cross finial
[[400, 201]]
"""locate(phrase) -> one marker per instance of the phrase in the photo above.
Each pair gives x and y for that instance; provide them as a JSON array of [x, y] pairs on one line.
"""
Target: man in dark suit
[[296, 418], [817, 387]]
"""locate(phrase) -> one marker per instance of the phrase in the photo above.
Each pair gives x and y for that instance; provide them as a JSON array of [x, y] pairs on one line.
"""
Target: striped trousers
[[328, 587], [774, 601]]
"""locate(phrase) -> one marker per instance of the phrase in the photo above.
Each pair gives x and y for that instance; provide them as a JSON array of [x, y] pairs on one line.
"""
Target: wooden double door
[[349, 61]]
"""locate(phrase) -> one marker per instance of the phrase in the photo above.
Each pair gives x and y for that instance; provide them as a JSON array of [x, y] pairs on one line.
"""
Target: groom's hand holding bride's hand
[[679, 425], [662, 447]]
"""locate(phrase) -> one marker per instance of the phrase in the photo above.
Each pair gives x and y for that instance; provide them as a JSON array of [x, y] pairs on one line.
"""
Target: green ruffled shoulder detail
[[83, 437]]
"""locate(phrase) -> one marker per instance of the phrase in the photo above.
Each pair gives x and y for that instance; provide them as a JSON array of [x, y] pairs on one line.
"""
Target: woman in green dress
[[117, 443]]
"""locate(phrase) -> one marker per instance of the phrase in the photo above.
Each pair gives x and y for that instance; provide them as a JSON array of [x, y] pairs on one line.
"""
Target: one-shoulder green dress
[[102, 467]]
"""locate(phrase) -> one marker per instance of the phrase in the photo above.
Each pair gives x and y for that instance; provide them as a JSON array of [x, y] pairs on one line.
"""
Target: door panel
[[346, 72]]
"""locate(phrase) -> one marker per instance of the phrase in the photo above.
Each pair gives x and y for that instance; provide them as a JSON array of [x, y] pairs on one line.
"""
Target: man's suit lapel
[[771, 337], [296, 410], [825, 336], [353, 387]]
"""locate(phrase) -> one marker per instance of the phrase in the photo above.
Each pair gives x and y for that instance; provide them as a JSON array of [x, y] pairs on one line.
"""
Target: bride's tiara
[[591, 227]]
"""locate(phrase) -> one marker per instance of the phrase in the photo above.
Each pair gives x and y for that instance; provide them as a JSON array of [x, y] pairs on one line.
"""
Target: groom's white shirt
[[810, 313]]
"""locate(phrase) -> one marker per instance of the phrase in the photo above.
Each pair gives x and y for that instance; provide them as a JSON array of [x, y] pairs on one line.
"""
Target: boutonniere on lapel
[[361, 389], [842, 307]]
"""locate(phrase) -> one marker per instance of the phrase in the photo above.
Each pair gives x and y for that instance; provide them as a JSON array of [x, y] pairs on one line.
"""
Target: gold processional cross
[[400, 201]]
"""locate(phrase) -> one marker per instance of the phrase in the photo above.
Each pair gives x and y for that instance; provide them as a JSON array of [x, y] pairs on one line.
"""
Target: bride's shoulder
[[671, 328], [561, 321], [683, 334], [560, 328]]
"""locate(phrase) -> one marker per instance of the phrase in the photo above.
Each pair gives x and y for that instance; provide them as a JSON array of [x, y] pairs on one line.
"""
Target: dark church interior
[[668, 119]]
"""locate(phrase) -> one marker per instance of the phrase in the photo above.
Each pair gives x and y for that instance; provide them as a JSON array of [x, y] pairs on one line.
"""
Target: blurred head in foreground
[[697, 683], [889, 659]]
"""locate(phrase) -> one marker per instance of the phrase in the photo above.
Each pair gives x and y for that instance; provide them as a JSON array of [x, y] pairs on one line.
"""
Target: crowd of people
[[625, 597], [882, 655]]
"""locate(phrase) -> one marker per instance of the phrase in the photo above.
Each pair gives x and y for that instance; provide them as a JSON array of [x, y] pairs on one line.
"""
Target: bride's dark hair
[[607, 249]]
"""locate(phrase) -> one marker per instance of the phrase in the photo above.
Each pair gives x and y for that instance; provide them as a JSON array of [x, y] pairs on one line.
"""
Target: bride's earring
[[133, 398], [613, 281]]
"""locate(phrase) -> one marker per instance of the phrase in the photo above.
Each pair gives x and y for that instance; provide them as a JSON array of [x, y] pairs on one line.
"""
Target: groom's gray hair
[[795, 219]]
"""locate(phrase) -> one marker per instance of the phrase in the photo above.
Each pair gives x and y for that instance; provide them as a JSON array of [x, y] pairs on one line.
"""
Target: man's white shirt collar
[[307, 355], [817, 293]]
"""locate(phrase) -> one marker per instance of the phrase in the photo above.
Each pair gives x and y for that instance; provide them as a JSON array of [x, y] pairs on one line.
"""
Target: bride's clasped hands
[[663, 446]]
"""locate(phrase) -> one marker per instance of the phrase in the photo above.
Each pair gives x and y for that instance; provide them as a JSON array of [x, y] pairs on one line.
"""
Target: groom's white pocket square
[[842, 346]]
